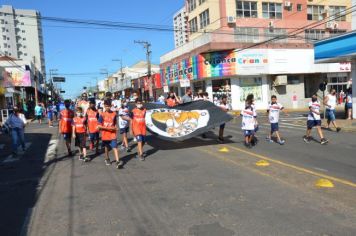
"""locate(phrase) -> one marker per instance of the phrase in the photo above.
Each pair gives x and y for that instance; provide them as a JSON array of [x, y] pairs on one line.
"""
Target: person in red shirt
[[79, 133], [65, 124], [92, 117], [108, 127], [172, 100], [138, 127]]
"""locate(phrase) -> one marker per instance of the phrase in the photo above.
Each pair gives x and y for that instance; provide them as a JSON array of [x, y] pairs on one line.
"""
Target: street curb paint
[[224, 149], [324, 183], [262, 163]]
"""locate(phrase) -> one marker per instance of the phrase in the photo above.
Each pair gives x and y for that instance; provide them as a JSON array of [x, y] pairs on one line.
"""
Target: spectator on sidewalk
[[17, 122], [188, 96], [330, 101], [348, 104], [39, 111]]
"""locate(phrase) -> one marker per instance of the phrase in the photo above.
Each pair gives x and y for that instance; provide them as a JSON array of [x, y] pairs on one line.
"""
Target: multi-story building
[[262, 47], [21, 35], [180, 27]]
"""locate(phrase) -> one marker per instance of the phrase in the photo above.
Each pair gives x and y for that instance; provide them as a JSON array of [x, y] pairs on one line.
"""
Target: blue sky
[[78, 50]]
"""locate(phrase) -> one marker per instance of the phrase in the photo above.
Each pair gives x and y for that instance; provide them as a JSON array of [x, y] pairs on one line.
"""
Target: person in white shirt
[[225, 107], [274, 109], [314, 120], [17, 123], [124, 123], [348, 103], [330, 101], [249, 120]]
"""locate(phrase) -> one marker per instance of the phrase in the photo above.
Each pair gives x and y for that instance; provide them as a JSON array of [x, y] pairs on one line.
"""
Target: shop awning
[[336, 49]]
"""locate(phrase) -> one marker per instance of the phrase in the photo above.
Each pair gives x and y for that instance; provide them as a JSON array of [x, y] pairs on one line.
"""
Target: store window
[[222, 87], [251, 86]]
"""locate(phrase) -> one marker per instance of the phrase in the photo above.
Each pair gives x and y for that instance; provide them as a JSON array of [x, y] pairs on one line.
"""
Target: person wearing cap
[[17, 123]]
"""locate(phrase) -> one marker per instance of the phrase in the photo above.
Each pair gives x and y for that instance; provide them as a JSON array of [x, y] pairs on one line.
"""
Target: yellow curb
[[224, 149]]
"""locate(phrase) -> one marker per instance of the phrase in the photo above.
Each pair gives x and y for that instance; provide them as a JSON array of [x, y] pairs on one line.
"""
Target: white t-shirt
[[331, 102], [349, 98], [248, 118], [274, 110], [316, 107], [123, 112], [115, 105]]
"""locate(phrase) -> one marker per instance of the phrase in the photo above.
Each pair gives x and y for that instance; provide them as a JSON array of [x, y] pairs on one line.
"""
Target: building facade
[[21, 35], [233, 49], [180, 24]]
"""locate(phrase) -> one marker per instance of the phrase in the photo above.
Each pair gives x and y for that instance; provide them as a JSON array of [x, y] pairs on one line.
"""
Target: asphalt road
[[187, 188]]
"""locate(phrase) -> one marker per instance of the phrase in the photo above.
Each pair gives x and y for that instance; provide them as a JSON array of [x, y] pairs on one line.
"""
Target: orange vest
[[66, 121], [108, 121], [171, 102], [79, 124], [92, 121], [139, 121]]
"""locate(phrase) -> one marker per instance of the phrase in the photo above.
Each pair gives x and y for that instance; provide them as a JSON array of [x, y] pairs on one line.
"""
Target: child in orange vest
[[79, 133], [138, 127], [92, 118], [65, 124], [108, 127]]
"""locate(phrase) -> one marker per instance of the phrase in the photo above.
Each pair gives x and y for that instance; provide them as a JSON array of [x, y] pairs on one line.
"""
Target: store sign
[[15, 77], [166, 89], [184, 83], [217, 64]]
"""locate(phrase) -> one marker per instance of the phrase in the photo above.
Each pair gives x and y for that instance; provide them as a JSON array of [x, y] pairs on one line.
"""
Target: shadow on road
[[19, 181]]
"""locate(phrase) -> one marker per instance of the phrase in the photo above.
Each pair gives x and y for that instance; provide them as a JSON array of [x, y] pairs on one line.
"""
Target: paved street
[[186, 188]]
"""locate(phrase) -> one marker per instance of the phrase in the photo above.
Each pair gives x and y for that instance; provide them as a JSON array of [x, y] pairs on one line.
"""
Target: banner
[[13, 77], [184, 121]]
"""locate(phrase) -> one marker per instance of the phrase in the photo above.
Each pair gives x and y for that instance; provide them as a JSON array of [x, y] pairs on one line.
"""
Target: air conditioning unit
[[271, 25], [231, 20], [287, 4], [280, 80], [331, 25]]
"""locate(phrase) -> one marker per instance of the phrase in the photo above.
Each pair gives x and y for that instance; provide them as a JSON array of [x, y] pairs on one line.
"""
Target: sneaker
[[119, 164], [306, 139], [323, 141], [338, 129], [142, 158], [70, 153], [81, 158], [107, 162], [281, 142], [269, 140], [134, 139], [86, 159], [128, 149], [122, 147]]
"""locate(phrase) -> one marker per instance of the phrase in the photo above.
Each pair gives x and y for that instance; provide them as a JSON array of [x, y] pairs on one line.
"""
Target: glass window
[[201, 1], [192, 5], [314, 12], [299, 7], [271, 10], [193, 25], [246, 9], [338, 12], [204, 19], [273, 33], [336, 32], [314, 34], [247, 35]]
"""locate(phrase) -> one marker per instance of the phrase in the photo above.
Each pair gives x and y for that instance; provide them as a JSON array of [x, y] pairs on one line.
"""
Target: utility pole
[[147, 46]]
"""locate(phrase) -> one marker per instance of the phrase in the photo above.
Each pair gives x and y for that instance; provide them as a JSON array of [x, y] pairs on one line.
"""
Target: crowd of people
[[103, 119]]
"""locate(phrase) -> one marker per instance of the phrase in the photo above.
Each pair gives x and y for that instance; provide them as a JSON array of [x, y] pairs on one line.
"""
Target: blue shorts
[[274, 127], [94, 136], [248, 132], [141, 138], [348, 105], [222, 126], [124, 130], [313, 123], [109, 143], [330, 115], [67, 136], [50, 115]]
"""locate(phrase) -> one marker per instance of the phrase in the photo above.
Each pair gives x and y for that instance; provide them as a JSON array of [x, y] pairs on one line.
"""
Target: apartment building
[[21, 35], [180, 24], [232, 49]]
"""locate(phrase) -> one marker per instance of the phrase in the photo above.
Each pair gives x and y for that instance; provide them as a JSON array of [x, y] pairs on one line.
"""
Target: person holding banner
[[225, 107], [172, 100]]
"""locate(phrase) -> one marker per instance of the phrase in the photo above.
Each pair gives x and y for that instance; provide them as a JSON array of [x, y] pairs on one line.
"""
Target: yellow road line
[[301, 169]]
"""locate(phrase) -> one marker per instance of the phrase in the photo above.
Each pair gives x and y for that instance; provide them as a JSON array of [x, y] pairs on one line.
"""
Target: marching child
[[138, 127], [249, 121], [314, 120], [79, 133], [92, 118], [65, 124], [107, 126], [124, 123], [274, 109]]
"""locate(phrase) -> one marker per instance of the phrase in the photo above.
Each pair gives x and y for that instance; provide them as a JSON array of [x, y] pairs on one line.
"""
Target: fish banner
[[183, 121]]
